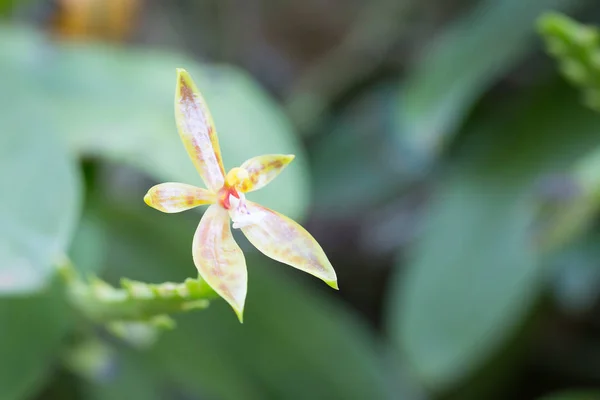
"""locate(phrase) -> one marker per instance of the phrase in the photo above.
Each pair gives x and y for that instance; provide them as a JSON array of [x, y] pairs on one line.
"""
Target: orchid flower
[[218, 258]]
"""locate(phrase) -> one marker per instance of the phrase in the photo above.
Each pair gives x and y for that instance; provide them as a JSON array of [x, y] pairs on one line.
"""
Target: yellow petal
[[219, 259], [174, 197], [284, 240], [197, 131], [263, 169]]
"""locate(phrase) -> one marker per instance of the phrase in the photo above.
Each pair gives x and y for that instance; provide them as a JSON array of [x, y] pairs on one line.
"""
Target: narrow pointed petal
[[174, 197], [197, 131], [263, 169], [219, 259], [284, 240]]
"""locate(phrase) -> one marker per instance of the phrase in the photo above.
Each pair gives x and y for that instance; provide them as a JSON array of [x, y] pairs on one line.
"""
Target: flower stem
[[133, 301]]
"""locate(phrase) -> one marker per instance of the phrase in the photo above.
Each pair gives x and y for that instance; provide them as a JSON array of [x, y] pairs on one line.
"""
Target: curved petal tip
[[240, 314], [284, 240], [333, 284], [219, 260]]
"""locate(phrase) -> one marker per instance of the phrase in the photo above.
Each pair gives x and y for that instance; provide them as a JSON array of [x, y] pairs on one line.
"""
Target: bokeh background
[[448, 169]]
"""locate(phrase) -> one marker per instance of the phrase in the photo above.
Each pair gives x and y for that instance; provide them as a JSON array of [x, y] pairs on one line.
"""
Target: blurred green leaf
[[576, 48], [126, 377], [576, 275], [30, 335], [118, 103], [472, 277], [7, 7], [474, 273], [465, 60], [565, 216], [356, 163], [39, 202], [89, 247], [294, 343], [574, 395], [39, 207]]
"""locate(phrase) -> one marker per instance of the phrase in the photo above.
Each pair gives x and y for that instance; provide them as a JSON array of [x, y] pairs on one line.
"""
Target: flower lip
[[224, 194]]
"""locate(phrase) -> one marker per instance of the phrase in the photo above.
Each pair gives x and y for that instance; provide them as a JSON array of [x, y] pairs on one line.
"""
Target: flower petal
[[284, 240], [263, 169], [219, 259], [197, 131], [172, 197]]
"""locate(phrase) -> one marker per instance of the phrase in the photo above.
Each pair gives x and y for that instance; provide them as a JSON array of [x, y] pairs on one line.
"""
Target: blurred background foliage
[[447, 159]]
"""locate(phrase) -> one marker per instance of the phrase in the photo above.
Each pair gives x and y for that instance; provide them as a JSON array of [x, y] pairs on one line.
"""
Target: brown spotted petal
[[197, 131], [172, 197], [219, 259], [284, 240], [263, 169]]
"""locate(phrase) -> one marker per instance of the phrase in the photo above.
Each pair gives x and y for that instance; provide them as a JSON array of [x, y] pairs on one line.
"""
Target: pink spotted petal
[[197, 131], [174, 197], [263, 169], [219, 259], [284, 240]]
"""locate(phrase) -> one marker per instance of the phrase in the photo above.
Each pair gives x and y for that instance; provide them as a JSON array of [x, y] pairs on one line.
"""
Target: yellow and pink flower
[[218, 258]]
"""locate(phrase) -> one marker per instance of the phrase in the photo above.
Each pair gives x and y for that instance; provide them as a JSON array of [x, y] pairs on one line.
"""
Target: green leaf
[[566, 217], [319, 344], [124, 375], [574, 395], [110, 370], [89, 246], [30, 337], [576, 275], [39, 203], [7, 7], [356, 162], [38, 210], [458, 67], [475, 272], [118, 103], [294, 343]]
